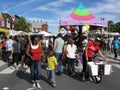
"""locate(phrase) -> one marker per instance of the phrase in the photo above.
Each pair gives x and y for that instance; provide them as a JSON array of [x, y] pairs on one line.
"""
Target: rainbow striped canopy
[[81, 16]]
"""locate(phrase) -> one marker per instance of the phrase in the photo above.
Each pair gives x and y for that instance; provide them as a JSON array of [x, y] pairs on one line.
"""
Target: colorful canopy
[[82, 16]]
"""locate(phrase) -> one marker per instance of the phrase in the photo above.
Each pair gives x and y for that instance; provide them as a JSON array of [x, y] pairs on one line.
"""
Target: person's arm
[[100, 53], [12, 51], [42, 53], [19, 47], [56, 65], [54, 46], [86, 55], [28, 50]]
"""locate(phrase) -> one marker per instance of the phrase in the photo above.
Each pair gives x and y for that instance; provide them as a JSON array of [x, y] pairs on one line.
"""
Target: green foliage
[[114, 27], [22, 25]]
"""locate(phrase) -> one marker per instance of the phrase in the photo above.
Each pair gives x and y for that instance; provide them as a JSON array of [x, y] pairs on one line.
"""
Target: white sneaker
[[34, 85], [38, 85], [90, 78], [98, 78]]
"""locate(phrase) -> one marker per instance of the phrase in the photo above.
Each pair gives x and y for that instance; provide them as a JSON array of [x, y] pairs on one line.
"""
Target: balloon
[[84, 29], [87, 26]]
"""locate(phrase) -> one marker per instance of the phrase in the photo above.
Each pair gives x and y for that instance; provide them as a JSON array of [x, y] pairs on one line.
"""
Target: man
[[115, 44], [58, 48]]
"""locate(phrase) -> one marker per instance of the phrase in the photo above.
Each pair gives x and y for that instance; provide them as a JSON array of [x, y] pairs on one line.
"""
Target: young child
[[51, 68]]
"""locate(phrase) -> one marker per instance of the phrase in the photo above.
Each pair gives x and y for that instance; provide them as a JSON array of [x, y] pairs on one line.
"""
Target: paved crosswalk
[[11, 69], [5, 69]]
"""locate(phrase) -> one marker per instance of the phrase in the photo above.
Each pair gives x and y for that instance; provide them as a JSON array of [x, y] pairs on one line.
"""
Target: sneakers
[[38, 85], [83, 78], [54, 85], [34, 84], [59, 73], [98, 78], [73, 74]]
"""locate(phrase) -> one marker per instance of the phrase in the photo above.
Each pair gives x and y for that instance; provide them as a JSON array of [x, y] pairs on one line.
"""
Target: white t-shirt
[[71, 51], [47, 43], [9, 44]]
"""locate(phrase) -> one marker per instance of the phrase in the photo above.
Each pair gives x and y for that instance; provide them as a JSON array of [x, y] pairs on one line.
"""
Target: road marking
[[8, 70], [5, 88], [31, 88], [2, 63]]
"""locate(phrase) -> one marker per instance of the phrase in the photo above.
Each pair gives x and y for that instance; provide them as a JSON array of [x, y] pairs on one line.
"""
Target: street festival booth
[[83, 19], [4, 32]]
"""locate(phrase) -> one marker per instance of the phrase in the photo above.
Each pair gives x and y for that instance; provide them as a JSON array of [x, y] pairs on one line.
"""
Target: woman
[[34, 50], [71, 50], [88, 54]]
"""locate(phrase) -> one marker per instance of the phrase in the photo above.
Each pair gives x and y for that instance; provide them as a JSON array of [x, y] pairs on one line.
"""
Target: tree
[[21, 24], [117, 27], [114, 27], [111, 26]]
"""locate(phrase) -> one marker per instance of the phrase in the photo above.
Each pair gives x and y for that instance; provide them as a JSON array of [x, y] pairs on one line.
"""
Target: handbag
[[28, 61], [64, 54]]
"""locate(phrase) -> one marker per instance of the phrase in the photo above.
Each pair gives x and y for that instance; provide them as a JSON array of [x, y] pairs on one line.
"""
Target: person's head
[[15, 39], [35, 40], [70, 41], [59, 35], [97, 41], [115, 37], [51, 53]]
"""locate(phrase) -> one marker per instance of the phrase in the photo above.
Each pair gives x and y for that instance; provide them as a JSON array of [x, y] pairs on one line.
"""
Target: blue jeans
[[71, 67], [115, 53], [4, 54], [51, 76], [35, 70], [59, 59]]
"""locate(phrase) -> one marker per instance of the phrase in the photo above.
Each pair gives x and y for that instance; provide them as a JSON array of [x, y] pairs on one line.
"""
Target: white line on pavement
[[8, 70]]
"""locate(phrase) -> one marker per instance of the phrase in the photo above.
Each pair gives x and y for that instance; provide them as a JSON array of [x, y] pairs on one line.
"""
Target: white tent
[[45, 33], [13, 32]]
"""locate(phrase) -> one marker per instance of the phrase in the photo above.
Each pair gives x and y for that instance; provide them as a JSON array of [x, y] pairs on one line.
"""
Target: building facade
[[38, 26], [7, 20]]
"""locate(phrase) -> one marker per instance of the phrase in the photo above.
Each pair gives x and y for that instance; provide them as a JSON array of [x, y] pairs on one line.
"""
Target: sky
[[52, 11]]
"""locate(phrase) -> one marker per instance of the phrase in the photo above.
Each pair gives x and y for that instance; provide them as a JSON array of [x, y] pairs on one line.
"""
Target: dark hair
[[33, 38], [59, 35], [10, 37], [97, 39], [16, 39], [70, 41]]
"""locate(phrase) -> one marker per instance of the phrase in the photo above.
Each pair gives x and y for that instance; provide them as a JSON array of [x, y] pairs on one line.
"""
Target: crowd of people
[[14, 50]]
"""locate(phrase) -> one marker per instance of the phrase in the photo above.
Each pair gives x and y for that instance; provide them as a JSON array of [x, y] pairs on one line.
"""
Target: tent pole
[[80, 37]]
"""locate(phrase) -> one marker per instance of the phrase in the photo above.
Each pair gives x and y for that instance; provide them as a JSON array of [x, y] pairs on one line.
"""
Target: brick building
[[38, 26]]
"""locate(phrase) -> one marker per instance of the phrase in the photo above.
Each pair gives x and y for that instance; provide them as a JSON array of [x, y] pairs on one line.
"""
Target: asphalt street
[[10, 79]]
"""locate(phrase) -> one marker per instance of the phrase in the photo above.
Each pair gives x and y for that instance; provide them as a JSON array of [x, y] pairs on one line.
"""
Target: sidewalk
[[111, 56]]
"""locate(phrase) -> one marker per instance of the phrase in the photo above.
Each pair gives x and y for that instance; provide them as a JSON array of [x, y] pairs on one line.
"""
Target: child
[[51, 68]]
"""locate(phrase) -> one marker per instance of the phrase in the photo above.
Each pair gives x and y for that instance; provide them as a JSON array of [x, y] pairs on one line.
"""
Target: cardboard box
[[92, 68], [107, 69]]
